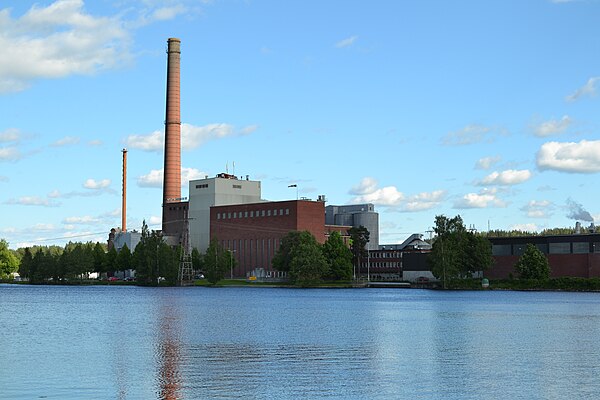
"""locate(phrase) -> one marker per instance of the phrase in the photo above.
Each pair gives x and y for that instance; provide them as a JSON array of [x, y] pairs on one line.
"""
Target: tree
[[110, 261], [123, 261], [456, 252], [533, 264], [216, 262], [338, 257], [196, 260], [308, 266], [8, 261], [26, 263], [359, 237], [146, 257], [98, 255], [302, 257]]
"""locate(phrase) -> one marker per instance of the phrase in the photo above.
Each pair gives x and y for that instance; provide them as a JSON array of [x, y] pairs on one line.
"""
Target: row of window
[[547, 248], [253, 214]]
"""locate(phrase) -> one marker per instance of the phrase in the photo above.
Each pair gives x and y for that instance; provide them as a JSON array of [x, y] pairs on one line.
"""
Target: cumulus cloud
[[368, 191], [10, 153], [366, 185], [552, 127], [10, 135], [154, 179], [530, 227], [471, 134], [484, 199], [66, 141], [589, 89], [96, 185], [508, 177], [537, 209], [191, 136], [424, 201], [58, 40], [31, 201], [581, 157], [346, 42], [487, 162], [85, 220]]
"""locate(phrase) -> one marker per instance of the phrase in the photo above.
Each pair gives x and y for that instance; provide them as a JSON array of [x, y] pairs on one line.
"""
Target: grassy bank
[[558, 284]]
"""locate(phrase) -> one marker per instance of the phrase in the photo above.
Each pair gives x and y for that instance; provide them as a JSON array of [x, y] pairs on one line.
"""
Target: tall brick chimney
[[172, 167]]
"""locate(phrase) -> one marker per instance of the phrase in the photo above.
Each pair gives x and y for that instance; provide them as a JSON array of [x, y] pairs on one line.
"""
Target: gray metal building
[[356, 215]]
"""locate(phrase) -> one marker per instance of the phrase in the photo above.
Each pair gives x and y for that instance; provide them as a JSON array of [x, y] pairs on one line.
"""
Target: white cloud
[[96, 185], [10, 135], [508, 177], [366, 185], [387, 196], [484, 199], [85, 220], [589, 89], [31, 201], [10, 153], [56, 41], [154, 220], [552, 127], [346, 42], [537, 209], [525, 227], [471, 134], [424, 201], [191, 136], [155, 177], [66, 141], [582, 157], [167, 13], [487, 162], [95, 143], [152, 179]]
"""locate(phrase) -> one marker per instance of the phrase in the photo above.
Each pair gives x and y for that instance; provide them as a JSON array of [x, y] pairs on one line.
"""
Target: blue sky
[[487, 109]]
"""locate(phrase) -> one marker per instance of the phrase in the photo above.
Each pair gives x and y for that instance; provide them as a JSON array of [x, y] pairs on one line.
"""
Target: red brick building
[[254, 231]]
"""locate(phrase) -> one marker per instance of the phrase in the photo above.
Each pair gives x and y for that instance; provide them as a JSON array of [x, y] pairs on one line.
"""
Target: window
[[251, 214], [235, 215], [237, 186], [245, 214], [501, 250], [287, 211], [202, 186], [275, 212], [228, 215], [581, 247], [559, 248], [218, 215], [268, 213], [262, 213], [281, 211]]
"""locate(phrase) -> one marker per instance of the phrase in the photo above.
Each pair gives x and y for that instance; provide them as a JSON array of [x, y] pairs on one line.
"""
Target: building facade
[[253, 232], [568, 255], [224, 189], [356, 215]]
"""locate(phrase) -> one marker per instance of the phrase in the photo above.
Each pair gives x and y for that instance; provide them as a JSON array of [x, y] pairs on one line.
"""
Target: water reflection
[[168, 348]]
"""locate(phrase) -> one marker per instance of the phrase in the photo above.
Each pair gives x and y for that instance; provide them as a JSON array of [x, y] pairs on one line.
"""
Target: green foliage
[[338, 257], [302, 257], [196, 260], [533, 264], [98, 256], [153, 258], [217, 262], [123, 260], [359, 237], [9, 262], [457, 253]]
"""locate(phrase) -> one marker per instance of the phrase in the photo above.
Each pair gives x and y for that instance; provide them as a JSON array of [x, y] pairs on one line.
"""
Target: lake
[[126, 342]]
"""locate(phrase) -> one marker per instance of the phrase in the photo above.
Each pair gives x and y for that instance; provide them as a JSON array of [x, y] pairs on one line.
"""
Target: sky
[[483, 109]]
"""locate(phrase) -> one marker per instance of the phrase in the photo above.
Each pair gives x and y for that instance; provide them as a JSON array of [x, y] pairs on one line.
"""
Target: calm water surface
[[193, 343]]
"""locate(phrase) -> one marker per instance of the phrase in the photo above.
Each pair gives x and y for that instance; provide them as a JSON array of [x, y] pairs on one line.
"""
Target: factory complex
[[231, 210]]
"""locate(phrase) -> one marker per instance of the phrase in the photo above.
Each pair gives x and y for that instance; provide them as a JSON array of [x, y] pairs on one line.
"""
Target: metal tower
[[186, 270]]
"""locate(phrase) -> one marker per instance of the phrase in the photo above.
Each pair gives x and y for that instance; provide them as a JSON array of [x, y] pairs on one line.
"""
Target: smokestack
[[172, 167], [124, 204]]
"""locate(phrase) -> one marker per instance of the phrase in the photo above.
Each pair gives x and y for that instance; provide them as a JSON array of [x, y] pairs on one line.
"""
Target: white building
[[222, 190]]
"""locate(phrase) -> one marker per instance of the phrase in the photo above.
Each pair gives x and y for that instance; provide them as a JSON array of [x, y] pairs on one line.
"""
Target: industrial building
[[356, 215]]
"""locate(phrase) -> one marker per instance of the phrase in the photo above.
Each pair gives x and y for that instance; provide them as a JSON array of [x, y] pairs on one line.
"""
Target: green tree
[[110, 261], [26, 263], [123, 261], [359, 237], [9, 263], [456, 252], [168, 263], [283, 256], [98, 255], [196, 260], [338, 257], [308, 265], [216, 262], [533, 264]]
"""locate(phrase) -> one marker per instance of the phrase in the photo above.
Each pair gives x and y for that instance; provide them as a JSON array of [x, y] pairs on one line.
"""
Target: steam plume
[[577, 212]]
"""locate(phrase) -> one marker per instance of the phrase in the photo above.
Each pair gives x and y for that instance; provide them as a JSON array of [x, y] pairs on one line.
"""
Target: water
[[116, 342]]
